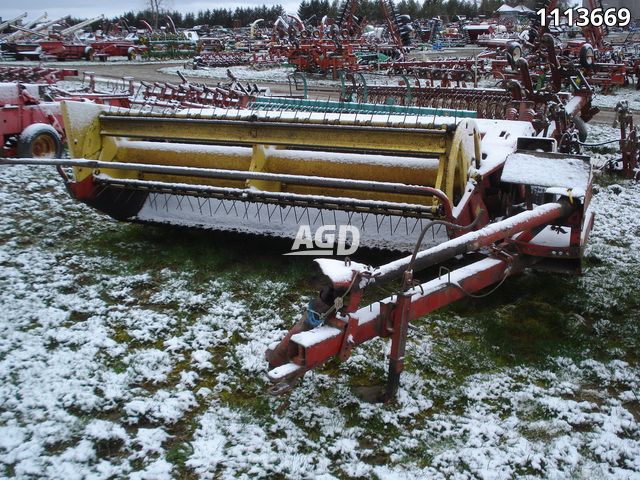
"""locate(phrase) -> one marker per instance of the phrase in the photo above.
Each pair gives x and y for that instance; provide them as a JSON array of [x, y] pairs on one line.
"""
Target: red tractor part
[[30, 127]]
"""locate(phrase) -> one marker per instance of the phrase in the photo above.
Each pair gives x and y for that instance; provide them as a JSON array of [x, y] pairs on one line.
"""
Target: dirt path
[[606, 116], [141, 71]]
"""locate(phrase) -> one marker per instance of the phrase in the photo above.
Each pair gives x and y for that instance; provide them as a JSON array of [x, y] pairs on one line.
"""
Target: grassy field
[[136, 351]]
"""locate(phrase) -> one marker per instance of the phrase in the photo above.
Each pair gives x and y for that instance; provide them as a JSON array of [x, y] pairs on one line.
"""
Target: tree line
[[370, 9], [225, 17], [317, 9]]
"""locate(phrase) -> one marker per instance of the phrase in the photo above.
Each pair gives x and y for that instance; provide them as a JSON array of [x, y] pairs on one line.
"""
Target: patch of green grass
[[525, 321], [250, 397], [179, 453]]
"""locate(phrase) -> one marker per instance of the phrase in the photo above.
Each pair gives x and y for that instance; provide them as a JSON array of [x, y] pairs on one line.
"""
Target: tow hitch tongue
[[334, 323]]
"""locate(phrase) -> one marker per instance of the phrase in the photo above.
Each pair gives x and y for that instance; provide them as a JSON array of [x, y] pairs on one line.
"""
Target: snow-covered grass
[[242, 73], [129, 351], [629, 94]]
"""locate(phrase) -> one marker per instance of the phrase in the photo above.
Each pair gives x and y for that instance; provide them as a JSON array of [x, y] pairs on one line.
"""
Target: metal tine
[[326, 110], [226, 113], [138, 92], [371, 118]]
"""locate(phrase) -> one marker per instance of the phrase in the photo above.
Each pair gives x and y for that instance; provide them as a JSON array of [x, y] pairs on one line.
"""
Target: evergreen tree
[[219, 16], [304, 9]]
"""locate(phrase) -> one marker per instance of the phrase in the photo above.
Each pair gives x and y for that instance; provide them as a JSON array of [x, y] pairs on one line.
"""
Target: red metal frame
[[389, 318]]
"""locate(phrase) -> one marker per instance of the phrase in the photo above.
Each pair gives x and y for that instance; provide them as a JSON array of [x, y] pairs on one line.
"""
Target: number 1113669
[[583, 17]]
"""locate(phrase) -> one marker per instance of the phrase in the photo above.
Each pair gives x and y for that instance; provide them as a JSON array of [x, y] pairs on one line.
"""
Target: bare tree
[[156, 7]]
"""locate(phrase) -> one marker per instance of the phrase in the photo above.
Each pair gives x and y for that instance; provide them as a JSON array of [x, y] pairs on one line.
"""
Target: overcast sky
[[111, 8]]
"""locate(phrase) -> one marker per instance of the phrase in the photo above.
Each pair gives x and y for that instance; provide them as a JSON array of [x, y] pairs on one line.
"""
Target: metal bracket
[[401, 319], [347, 340]]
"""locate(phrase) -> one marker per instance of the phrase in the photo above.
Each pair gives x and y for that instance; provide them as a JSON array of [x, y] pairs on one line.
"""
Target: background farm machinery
[[629, 163], [341, 45], [552, 111], [62, 45], [43, 43], [163, 47], [329, 46], [258, 60], [188, 95], [32, 124], [600, 62], [605, 71], [118, 48], [445, 70], [58, 45], [30, 127]]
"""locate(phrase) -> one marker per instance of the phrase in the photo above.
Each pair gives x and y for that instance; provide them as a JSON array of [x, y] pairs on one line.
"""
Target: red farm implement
[[629, 162], [231, 59], [558, 114], [325, 57], [29, 127], [117, 48], [189, 95], [61, 51], [34, 74], [334, 47], [499, 193], [455, 70]]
